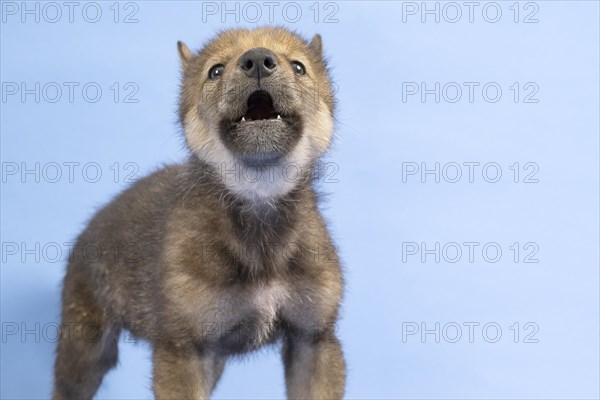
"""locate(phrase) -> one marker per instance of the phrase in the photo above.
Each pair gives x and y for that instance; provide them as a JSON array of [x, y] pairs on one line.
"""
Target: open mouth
[[259, 108]]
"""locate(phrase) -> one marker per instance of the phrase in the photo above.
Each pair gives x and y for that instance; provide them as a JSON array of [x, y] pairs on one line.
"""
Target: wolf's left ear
[[316, 44], [185, 54]]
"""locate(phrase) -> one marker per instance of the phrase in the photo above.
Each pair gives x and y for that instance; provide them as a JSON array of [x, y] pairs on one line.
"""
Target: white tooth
[[243, 119], [278, 116]]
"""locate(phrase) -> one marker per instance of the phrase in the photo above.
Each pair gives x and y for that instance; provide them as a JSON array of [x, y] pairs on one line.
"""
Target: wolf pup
[[227, 252]]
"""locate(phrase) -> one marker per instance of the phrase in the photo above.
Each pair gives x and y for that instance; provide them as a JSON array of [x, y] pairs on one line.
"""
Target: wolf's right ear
[[185, 54], [316, 44]]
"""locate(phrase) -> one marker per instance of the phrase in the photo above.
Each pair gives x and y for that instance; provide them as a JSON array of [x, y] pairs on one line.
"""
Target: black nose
[[258, 62]]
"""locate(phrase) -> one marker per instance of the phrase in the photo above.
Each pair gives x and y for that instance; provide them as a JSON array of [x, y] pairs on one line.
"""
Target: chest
[[244, 318]]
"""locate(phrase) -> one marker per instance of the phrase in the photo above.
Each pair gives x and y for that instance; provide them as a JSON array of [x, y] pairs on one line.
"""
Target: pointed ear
[[185, 54], [316, 44]]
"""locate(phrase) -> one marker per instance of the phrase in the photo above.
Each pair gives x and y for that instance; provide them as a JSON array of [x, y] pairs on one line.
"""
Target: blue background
[[371, 209]]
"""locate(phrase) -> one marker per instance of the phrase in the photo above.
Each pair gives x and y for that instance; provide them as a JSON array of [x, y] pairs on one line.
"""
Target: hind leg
[[87, 347]]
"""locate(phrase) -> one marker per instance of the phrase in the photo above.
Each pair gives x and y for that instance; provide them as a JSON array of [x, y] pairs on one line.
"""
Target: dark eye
[[298, 67], [216, 71]]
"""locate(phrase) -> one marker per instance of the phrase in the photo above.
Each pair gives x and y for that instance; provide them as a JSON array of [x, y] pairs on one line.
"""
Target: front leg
[[185, 372], [314, 367]]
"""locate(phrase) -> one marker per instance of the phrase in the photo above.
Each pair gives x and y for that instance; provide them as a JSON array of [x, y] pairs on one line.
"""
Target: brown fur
[[204, 268]]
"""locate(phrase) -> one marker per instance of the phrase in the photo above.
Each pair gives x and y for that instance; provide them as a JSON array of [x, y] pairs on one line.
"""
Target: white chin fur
[[260, 184]]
